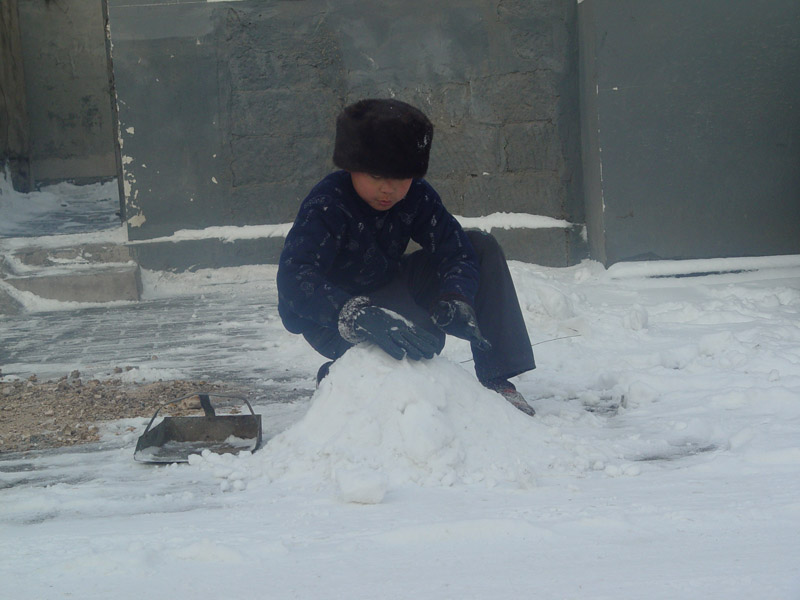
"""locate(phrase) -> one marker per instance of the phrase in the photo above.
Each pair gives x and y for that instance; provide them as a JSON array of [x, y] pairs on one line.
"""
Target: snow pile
[[426, 422], [376, 424]]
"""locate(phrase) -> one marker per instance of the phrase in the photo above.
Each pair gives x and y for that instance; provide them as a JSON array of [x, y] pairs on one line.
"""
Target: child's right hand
[[394, 335]]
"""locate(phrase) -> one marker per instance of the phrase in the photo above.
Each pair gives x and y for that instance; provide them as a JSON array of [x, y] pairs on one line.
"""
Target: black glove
[[457, 318], [396, 337]]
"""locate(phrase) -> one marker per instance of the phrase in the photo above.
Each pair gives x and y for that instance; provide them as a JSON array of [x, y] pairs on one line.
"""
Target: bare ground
[[37, 415]]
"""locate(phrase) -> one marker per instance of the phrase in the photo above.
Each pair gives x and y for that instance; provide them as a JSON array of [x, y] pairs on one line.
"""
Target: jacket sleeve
[[438, 232], [304, 293]]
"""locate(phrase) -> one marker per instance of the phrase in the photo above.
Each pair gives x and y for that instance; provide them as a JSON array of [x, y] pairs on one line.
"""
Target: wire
[[563, 337]]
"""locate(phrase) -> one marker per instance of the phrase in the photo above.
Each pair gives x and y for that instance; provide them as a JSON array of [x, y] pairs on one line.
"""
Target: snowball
[[636, 319], [361, 486]]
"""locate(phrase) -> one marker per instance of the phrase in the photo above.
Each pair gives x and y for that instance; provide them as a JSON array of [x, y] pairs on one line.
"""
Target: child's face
[[381, 193]]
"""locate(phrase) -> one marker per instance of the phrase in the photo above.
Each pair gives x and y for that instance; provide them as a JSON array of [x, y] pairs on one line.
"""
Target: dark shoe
[[507, 390], [323, 371]]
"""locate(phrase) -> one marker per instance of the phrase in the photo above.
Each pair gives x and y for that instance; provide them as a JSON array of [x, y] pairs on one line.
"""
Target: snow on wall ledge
[[231, 233], [705, 266]]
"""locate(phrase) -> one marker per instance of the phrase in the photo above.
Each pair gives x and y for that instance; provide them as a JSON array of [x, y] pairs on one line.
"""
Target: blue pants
[[496, 306]]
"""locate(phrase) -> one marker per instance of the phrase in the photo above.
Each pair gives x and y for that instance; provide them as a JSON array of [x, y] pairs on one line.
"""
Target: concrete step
[[85, 273], [9, 305], [86, 254], [99, 284]]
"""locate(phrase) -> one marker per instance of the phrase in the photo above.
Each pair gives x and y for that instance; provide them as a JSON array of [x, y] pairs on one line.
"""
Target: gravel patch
[[36, 415]]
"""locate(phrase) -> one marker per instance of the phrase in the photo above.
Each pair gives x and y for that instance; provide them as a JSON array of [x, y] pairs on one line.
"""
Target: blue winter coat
[[340, 247]]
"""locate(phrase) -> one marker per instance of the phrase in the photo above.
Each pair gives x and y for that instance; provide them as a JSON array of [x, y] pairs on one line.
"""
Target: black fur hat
[[383, 137]]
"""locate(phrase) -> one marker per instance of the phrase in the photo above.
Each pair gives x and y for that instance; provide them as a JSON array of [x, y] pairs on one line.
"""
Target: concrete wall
[[67, 87], [689, 124], [227, 109], [14, 141], [691, 127]]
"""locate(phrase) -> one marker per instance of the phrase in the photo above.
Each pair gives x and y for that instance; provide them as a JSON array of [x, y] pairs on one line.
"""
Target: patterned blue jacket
[[340, 247]]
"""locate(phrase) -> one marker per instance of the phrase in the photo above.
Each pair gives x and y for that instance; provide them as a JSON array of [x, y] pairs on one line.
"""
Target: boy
[[344, 276]]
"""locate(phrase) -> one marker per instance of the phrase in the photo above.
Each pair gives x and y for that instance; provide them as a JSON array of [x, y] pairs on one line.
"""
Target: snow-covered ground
[[663, 463], [63, 208]]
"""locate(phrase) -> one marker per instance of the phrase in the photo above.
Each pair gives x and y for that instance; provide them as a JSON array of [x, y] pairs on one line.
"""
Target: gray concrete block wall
[[690, 136], [68, 91], [227, 110], [14, 138]]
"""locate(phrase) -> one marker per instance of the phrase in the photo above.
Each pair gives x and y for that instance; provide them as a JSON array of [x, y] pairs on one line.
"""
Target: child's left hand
[[457, 318]]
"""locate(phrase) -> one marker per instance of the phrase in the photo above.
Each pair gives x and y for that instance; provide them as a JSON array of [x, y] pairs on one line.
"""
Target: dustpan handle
[[243, 399], [203, 402]]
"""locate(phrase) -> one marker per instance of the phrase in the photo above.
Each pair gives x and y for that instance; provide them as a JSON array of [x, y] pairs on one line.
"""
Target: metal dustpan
[[174, 439]]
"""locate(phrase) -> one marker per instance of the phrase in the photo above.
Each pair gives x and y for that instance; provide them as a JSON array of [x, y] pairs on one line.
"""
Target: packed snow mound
[[376, 421], [377, 424]]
